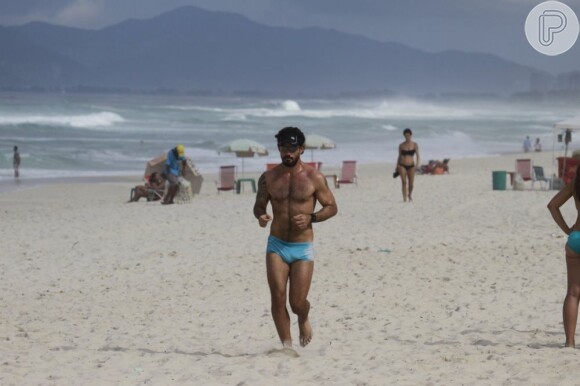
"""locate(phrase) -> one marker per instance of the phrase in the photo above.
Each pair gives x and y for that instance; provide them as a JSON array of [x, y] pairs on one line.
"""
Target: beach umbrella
[[244, 148], [191, 173], [315, 141]]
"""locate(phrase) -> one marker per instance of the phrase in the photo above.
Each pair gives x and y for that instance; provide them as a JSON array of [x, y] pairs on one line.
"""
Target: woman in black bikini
[[406, 165]]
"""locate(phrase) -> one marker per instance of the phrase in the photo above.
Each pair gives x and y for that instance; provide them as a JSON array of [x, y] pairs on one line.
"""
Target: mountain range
[[191, 49]]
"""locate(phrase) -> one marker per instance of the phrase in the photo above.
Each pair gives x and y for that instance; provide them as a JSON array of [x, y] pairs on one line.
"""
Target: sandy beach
[[462, 286]]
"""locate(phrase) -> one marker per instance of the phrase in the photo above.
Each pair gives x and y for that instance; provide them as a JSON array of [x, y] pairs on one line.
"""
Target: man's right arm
[[262, 197]]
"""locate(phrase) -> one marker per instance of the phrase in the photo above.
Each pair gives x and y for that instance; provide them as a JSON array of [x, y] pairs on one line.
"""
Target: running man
[[292, 188]]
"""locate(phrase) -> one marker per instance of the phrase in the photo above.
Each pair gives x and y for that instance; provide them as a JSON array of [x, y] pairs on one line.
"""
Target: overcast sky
[[493, 26]]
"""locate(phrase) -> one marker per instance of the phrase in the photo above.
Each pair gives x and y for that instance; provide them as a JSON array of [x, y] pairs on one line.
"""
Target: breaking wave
[[93, 120]]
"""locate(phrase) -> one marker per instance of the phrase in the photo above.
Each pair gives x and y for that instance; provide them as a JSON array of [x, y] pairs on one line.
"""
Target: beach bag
[[518, 182], [184, 193]]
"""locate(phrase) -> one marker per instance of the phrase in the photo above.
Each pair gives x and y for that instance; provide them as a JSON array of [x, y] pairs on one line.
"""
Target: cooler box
[[499, 178]]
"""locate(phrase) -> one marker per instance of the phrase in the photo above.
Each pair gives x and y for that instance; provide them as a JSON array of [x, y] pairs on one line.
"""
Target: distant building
[[541, 81], [569, 81]]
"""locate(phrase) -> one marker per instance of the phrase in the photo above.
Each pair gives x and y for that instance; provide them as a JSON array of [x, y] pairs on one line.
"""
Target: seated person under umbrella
[[435, 167], [152, 190]]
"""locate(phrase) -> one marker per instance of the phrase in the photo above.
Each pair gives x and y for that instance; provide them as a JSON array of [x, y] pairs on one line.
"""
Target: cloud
[[23, 8], [24, 11], [80, 13], [77, 13]]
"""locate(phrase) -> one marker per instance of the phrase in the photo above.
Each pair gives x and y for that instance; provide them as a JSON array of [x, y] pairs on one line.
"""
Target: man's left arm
[[325, 198]]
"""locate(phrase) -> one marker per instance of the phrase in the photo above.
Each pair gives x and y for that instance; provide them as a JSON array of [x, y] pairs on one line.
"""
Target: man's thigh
[[277, 271], [300, 278]]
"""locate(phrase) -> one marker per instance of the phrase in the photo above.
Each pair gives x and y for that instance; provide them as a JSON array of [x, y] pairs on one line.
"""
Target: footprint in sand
[[283, 352]]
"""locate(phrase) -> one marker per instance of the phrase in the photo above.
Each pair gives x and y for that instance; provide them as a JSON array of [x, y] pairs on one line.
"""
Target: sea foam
[[290, 105], [93, 120]]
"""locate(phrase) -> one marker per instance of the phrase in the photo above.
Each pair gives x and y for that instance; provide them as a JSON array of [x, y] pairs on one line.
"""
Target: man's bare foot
[[305, 333]]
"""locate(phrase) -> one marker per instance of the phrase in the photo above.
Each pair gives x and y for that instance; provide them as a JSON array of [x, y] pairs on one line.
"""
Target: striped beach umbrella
[[318, 142], [244, 148]]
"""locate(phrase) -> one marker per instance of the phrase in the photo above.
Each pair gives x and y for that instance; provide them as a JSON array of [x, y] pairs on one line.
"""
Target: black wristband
[[312, 218]]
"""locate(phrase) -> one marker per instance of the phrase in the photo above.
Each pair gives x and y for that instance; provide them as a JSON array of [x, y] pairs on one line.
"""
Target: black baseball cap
[[290, 136], [288, 139]]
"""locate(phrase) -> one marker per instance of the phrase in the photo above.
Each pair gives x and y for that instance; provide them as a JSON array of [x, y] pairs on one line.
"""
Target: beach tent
[[560, 128], [191, 174]]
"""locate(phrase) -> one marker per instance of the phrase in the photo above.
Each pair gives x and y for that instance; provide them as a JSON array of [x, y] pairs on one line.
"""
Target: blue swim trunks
[[574, 241], [290, 252]]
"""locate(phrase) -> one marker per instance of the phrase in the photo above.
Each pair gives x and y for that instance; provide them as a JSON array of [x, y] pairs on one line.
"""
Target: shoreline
[[9, 185], [33, 183]]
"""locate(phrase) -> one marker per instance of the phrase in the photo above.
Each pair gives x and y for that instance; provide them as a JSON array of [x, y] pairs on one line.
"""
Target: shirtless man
[[292, 188]]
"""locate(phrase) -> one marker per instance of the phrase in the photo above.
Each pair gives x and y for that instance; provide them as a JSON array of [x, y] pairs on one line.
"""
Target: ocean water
[[69, 135]]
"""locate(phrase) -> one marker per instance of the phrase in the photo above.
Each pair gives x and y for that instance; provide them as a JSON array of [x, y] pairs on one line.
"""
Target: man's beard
[[289, 162]]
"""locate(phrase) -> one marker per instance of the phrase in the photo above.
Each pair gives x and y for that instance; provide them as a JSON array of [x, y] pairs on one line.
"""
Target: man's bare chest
[[293, 190]]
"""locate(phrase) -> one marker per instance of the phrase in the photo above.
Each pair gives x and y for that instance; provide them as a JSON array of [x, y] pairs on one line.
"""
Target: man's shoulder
[[316, 177]]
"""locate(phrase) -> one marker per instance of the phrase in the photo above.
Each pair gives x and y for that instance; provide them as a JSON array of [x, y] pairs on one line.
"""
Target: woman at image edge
[[570, 308], [406, 166]]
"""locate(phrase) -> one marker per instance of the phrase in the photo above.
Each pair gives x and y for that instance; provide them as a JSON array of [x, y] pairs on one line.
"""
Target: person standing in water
[[16, 162], [527, 144], [537, 145], [406, 165], [292, 188]]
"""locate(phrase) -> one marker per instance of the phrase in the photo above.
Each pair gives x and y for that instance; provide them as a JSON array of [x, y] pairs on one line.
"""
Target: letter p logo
[[551, 22], [552, 28]]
